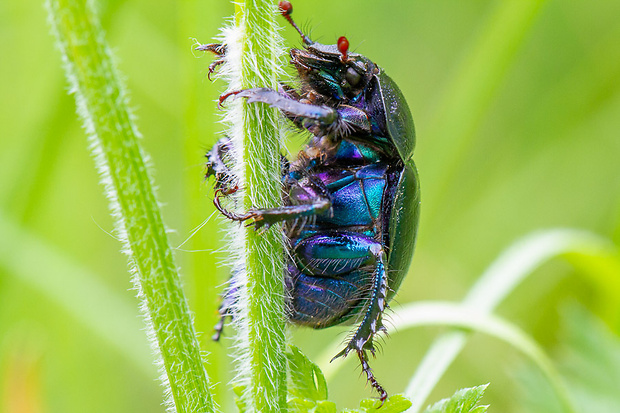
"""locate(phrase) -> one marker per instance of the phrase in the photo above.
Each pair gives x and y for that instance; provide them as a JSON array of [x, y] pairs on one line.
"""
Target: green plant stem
[[263, 333], [102, 104]]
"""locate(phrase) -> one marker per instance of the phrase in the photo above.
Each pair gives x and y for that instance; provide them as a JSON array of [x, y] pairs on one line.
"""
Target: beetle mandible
[[351, 197]]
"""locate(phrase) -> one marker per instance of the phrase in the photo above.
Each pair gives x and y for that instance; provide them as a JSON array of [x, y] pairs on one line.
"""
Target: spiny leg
[[226, 184], [361, 354], [310, 194], [362, 340]]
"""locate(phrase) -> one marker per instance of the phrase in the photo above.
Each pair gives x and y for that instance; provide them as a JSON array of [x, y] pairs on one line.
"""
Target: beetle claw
[[220, 103], [214, 66]]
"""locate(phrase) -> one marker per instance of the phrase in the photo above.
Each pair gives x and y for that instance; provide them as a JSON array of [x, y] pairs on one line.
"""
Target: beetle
[[351, 197]]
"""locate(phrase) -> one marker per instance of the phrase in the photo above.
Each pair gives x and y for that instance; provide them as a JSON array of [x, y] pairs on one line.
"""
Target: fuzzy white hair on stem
[[253, 55], [104, 109]]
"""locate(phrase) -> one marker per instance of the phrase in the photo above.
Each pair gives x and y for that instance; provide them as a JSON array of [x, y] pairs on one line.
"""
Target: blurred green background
[[517, 110]]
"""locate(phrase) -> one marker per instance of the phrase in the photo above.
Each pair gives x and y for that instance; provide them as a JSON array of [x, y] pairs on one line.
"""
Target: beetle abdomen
[[320, 302]]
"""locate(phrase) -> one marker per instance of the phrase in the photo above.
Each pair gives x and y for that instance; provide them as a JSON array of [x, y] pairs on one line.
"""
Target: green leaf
[[394, 404], [300, 405], [306, 381], [297, 405], [325, 406], [239, 401], [307, 386], [463, 401]]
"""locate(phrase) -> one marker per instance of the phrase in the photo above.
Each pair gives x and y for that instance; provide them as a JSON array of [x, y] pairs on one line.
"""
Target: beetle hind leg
[[362, 340], [383, 395]]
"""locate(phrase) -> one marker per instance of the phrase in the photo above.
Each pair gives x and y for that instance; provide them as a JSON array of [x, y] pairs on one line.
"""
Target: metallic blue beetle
[[351, 198]]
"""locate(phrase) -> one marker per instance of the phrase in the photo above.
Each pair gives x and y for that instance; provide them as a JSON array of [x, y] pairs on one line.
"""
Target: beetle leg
[[267, 217], [227, 307], [362, 340], [342, 121], [217, 159], [288, 90], [227, 184], [311, 198], [361, 354], [225, 181], [308, 196], [353, 121], [214, 66], [219, 50], [224, 311], [322, 114], [233, 216]]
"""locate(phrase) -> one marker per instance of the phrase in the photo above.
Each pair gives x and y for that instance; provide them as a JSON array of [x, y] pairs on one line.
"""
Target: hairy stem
[[264, 252], [102, 105], [253, 60]]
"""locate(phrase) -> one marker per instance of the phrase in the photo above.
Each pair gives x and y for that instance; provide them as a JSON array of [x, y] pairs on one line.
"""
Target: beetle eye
[[352, 76]]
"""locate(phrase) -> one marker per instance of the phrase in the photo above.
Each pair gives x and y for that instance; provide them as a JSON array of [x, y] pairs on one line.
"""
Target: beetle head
[[332, 71], [329, 70]]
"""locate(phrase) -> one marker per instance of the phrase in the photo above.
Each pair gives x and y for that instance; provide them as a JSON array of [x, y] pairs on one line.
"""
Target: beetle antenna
[[286, 9]]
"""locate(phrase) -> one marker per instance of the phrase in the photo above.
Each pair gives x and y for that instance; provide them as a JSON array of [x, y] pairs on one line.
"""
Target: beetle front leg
[[341, 122], [362, 340], [284, 102]]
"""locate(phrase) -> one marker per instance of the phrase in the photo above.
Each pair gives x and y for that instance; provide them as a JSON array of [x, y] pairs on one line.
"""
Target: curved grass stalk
[[495, 284], [102, 105], [456, 315]]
